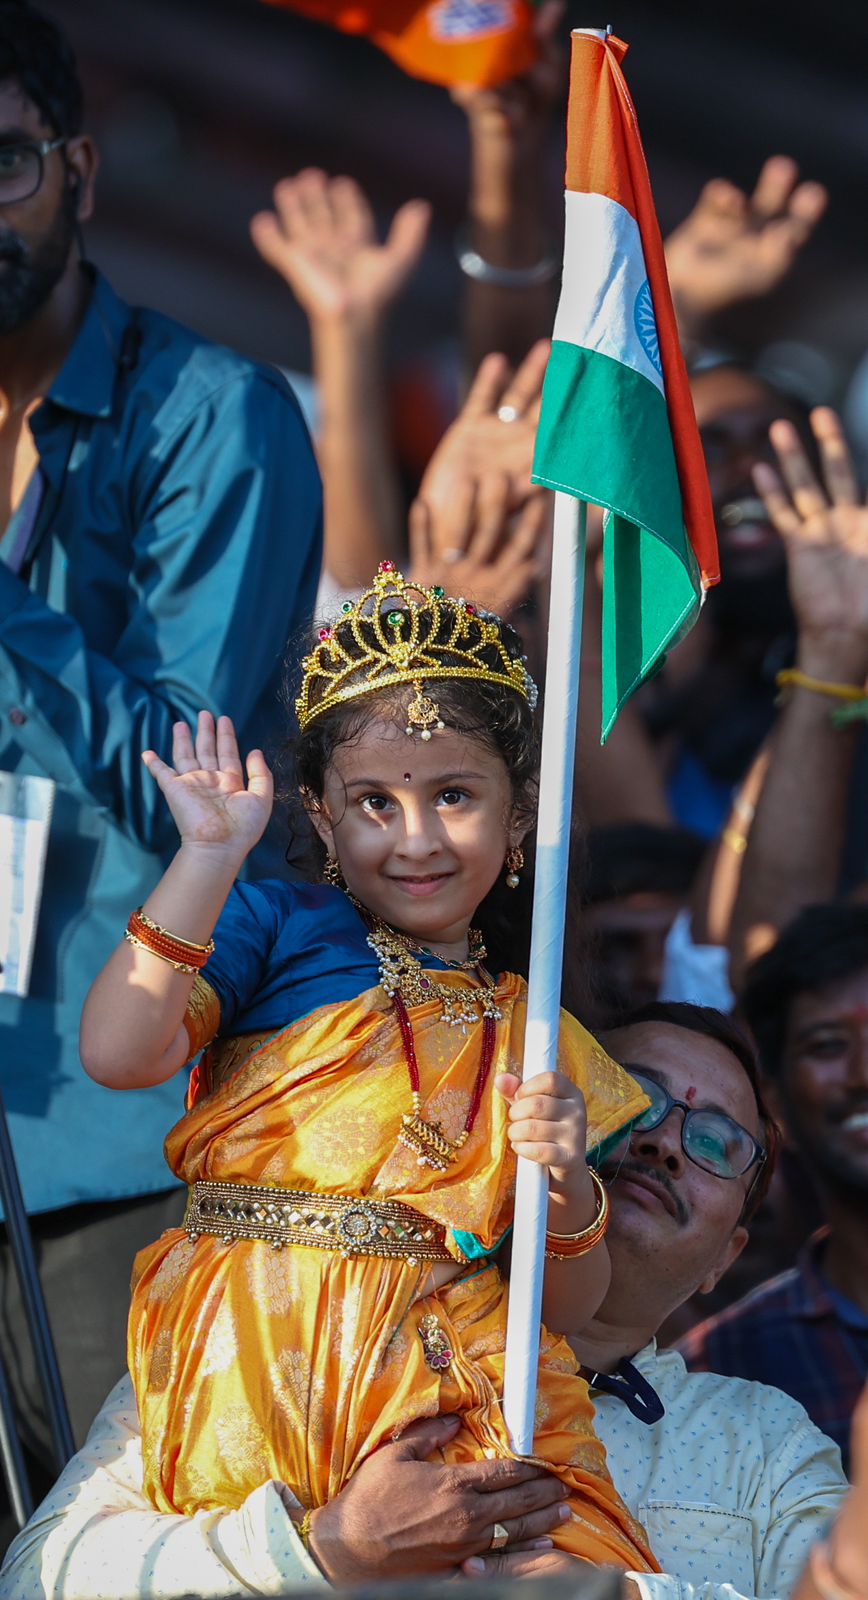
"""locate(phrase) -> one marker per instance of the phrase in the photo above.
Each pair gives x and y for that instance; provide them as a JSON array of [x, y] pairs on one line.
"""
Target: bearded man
[[160, 532]]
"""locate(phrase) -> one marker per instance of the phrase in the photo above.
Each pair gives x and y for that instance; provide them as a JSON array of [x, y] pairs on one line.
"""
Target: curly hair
[[35, 55]]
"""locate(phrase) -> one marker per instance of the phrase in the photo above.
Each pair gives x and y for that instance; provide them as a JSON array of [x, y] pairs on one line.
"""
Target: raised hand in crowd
[[506, 252], [494, 431], [793, 847], [735, 246], [322, 239], [824, 527], [477, 547]]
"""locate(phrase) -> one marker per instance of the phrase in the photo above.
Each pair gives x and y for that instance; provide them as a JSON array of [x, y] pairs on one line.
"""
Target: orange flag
[[474, 43]]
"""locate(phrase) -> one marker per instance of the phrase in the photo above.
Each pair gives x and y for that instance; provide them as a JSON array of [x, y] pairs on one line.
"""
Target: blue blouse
[[282, 950]]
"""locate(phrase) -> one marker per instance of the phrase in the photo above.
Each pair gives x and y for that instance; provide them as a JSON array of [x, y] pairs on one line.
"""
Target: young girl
[[351, 1133]]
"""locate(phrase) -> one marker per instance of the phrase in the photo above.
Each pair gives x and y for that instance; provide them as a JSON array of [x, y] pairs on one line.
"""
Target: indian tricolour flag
[[617, 426]]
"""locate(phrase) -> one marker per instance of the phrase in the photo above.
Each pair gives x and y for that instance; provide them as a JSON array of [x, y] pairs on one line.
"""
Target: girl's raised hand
[[205, 788]]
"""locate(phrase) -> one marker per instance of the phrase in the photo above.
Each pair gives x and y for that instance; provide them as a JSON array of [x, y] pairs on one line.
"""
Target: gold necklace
[[401, 973], [406, 985]]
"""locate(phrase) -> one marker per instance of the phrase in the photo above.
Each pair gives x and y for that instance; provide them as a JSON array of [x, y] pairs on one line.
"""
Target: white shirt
[[698, 973], [733, 1486]]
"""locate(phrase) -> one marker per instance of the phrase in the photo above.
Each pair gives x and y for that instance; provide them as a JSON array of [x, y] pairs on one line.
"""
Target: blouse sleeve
[[613, 1099], [244, 938]]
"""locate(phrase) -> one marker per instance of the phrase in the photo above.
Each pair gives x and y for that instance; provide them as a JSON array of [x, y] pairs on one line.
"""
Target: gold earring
[[514, 864], [331, 873]]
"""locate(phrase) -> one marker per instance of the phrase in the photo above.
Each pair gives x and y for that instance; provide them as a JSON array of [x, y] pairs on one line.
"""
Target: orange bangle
[[567, 1246], [181, 954]]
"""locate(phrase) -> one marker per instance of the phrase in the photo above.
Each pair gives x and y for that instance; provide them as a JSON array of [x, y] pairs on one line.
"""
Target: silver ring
[[508, 413], [500, 1537], [451, 554]]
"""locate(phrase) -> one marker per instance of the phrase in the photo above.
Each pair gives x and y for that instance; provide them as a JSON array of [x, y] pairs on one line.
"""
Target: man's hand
[[402, 1515], [523, 1564], [494, 431], [735, 246], [321, 237], [476, 547], [824, 527]]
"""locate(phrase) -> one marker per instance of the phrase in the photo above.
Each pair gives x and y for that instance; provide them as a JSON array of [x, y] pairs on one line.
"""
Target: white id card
[[26, 804]]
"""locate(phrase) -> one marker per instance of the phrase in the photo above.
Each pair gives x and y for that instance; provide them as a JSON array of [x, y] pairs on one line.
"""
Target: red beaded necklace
[[427, 1138], [403, 980]]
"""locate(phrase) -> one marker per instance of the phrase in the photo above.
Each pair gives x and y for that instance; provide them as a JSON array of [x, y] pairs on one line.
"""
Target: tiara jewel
[[399, 632]]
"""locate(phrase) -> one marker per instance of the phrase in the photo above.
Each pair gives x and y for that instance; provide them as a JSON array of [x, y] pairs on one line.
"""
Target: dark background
[[200, 105]]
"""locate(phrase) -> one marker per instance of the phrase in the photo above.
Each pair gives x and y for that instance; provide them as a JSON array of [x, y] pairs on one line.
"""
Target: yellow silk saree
[[253, 1363]]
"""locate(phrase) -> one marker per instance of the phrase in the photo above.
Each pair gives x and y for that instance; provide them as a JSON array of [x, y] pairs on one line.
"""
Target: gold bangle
[[179, 966], [154, 927], [802, 680], [735, 839], [824, 1577], [304, 1530], [566, 1246], [181, 954]]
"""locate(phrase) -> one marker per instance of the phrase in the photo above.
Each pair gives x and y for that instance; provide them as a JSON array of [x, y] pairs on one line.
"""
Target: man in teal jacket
[[160, 539]]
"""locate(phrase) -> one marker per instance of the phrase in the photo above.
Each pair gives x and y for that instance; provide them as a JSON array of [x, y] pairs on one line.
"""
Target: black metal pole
[[35, 1311]]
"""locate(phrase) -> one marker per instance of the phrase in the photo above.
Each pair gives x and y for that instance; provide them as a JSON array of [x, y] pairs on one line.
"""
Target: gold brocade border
[[202, 1016], [351, 1224]]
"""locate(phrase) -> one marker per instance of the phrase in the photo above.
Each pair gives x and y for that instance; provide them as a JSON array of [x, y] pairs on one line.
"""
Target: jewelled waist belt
[[349, 1223]]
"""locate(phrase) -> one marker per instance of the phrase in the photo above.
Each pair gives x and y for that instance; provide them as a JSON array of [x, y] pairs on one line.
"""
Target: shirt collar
[[809, 1294], [85, 383]]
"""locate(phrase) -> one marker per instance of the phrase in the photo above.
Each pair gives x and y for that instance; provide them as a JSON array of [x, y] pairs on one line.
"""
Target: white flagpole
[[560, 713]]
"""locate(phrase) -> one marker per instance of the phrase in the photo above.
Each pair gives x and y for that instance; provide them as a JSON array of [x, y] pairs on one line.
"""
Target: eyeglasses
[[710, 1139], [21, 167]]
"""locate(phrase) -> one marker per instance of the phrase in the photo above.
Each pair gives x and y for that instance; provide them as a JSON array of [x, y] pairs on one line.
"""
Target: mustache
[[640, 1169]]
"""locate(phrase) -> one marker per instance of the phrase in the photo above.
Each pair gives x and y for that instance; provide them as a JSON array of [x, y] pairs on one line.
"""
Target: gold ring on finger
[[499, 1537]]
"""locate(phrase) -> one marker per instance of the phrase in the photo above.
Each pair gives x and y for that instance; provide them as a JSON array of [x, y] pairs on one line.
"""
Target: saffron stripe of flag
[[617, 426]]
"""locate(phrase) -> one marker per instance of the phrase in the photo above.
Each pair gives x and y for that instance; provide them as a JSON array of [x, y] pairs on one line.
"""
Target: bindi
[[407, 776], [691, 1096]]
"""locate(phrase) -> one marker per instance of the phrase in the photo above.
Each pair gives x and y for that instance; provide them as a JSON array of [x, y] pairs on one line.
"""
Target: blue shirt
[[175, 551]]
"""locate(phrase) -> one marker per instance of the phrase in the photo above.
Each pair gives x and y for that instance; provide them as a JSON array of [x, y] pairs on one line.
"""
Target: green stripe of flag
[[621, 457]]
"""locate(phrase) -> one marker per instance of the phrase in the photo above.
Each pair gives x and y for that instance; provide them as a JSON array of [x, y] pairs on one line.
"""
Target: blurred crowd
[[720, 846]]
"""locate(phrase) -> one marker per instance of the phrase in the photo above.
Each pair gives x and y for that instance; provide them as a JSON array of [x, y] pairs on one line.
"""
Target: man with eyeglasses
[[732, 1481], [807, 1329], [160, 533]]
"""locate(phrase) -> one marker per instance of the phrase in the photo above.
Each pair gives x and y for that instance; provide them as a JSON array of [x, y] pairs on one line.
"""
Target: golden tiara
[[399, 632]]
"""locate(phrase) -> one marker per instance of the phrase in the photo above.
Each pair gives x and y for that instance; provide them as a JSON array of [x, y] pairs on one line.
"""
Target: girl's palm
[[205, 787]]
